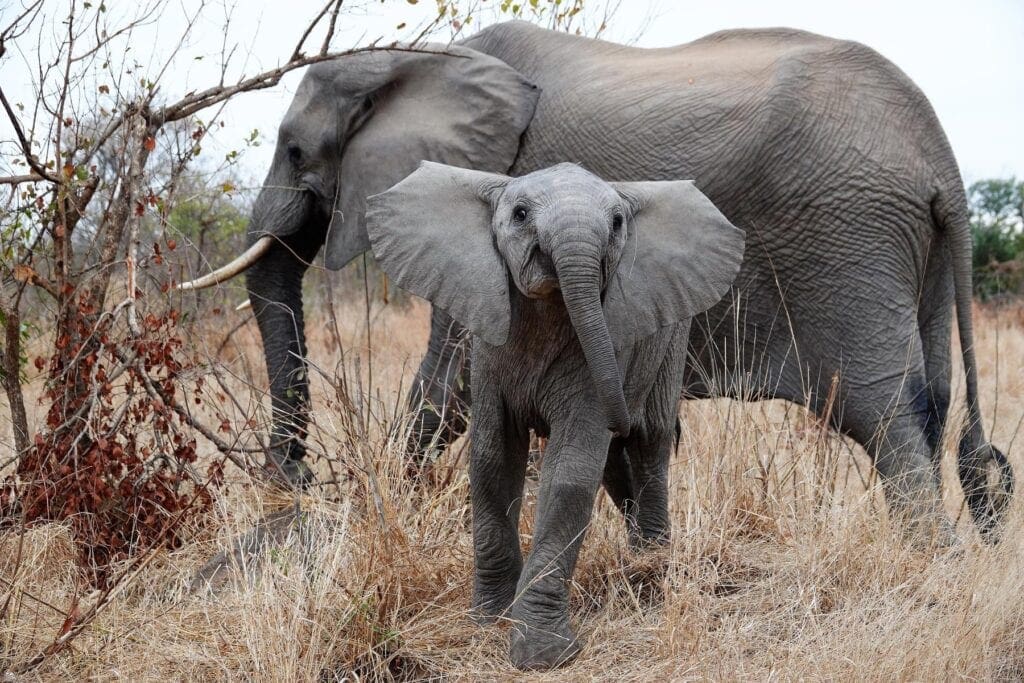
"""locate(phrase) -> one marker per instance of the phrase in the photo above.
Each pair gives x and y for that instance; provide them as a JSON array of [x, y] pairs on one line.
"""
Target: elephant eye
[[294, 153], [617, 222], [519, 214]]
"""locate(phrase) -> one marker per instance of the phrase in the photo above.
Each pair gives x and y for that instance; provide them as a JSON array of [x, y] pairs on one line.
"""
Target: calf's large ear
[[448, 104], [681, 257], [431, 233]]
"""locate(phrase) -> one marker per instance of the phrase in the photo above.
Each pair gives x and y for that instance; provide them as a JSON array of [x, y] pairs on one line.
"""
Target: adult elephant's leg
[[497, 472], [439, 398], [275, 290], [889, 415], [574, 462], [935, 321]]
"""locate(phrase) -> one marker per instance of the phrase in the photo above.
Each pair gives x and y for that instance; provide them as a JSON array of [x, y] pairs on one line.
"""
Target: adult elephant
[[828, 156]]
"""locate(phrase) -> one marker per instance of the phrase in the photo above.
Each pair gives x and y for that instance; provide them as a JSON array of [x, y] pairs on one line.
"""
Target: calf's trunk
[[579, 267]]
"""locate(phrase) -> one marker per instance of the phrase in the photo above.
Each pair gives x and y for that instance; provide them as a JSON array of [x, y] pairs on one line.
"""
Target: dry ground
[[782, 564]]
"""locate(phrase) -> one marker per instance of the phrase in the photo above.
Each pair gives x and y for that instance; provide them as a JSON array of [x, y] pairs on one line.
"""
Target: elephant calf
[[604, 280]]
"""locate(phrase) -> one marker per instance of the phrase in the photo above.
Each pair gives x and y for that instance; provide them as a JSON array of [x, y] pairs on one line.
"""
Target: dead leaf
[[23, 273]]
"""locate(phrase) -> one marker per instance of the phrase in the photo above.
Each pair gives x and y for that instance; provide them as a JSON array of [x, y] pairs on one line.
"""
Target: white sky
[[968, 57]]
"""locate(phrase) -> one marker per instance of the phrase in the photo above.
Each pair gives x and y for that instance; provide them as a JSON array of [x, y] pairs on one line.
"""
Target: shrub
[[997, 230]]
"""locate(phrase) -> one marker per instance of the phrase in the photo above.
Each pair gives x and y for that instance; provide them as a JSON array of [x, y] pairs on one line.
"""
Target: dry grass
[[765, 577]]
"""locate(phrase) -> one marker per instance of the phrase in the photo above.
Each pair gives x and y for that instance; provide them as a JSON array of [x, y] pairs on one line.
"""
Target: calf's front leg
[[573, 465], [497, 471]]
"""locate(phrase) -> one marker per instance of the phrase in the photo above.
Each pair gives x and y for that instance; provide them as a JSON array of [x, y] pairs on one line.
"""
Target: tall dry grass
[[782, 564]]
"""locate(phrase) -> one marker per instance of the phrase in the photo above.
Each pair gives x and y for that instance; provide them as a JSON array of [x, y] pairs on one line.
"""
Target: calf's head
[[627, 258]]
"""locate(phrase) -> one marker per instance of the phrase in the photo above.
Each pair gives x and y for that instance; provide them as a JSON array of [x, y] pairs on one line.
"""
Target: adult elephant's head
[[359, 124]]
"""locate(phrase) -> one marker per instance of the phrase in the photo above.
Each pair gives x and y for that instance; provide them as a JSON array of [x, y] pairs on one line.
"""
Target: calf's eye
[[519, 214]]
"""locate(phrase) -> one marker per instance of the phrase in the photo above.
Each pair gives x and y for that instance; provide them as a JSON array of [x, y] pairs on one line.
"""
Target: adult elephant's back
[[835, 164]]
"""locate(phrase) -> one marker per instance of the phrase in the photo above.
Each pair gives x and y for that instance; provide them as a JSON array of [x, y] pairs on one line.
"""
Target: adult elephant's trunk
[[579, 268], [274, 284]]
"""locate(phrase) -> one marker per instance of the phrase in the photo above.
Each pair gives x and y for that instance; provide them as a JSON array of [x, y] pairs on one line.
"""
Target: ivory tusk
[[244, 305], [246, 260]]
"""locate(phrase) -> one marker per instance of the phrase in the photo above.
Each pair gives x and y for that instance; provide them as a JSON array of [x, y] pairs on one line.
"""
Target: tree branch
[[21, 179], [330, 28], [11, 31], [297, 52], [26, 148], [195, 102]]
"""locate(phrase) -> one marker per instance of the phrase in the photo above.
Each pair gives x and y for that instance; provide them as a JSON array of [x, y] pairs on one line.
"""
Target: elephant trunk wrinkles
[[579, 268], [274, 284]]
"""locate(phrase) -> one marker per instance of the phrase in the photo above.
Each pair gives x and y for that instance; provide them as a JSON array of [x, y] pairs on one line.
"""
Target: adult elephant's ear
[[431, 233], [450, 104], [680, 258]]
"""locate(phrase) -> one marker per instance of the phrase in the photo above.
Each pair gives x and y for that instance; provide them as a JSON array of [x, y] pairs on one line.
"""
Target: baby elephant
[[569, 283]]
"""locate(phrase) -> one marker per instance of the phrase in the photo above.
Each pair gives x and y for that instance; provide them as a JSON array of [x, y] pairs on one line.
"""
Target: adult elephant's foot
[[291, 474], [929, 531], [538, 647], [651, 537], [288, 472], [919, 514]]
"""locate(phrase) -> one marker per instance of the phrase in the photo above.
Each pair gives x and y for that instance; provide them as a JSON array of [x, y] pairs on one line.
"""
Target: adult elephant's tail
[[985, 474]]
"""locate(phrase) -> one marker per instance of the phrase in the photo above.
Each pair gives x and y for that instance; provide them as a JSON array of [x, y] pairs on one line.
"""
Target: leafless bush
[[102, 165]]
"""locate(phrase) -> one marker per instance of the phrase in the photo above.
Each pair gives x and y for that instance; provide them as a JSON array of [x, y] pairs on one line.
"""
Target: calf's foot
[[491, 601], [537, 647]]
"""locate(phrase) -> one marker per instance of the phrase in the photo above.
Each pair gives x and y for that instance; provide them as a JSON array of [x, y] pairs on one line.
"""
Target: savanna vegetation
[[134, 419]]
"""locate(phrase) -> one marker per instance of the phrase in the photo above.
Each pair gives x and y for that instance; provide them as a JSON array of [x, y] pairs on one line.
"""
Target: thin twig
[[330, 27], [297, 52], [26, 147]]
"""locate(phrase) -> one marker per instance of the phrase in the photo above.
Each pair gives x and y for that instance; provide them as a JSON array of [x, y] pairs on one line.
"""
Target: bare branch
[[297, 52], [26, 148], [143, 18], [12, 31], [44, 284], [330, 28], [21, 179], [229, 451], [195, 102]]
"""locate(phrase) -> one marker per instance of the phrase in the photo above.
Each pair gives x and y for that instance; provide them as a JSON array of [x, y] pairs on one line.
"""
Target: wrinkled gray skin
[[604, 280], [826, 154]]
